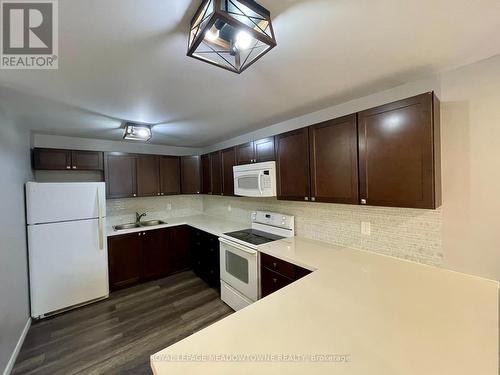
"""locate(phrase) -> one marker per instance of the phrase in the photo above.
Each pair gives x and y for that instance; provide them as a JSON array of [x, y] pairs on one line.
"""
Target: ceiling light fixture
[[137, 132], [231, 34]]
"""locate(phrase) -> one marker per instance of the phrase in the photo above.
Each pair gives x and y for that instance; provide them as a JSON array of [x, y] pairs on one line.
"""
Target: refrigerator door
[[54, 202], [67, 265]]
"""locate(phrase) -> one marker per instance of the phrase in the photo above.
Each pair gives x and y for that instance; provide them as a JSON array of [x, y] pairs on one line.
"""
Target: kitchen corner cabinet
[[228, 161], [334, 161], [216, 172], [204, 257], [120, 175], [277, 273], [206, 174], [55, 159], [170, 175], [255, 152], [292, 165], [190, 175], [399, 154], [148, 175]]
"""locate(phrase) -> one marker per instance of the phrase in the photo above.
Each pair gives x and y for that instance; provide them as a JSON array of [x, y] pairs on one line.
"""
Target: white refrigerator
[[68, 256]]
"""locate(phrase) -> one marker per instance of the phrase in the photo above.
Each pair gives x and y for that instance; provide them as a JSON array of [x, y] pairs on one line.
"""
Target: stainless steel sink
[[151, 223], [126, 226]]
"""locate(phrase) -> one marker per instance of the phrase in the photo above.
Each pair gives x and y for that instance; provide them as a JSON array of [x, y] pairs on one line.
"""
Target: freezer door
[[54, 202], [67, 265]]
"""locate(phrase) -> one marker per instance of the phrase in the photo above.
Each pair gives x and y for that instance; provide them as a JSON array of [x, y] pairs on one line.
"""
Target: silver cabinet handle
[[313, 199], [306, 198], [363, 201], [74, 166], [140, 234], [157, 193], [135, 195], [274, 265], [275, 281], [68, 167]]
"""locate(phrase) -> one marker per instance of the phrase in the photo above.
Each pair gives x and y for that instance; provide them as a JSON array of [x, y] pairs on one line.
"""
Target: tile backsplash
[[405, 233], [121, 211]]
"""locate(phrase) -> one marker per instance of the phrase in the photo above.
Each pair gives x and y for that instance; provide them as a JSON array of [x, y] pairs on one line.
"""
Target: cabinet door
[[87, 160], [170, 179], [334, 161], [119, 174], [216, 172], [396, 154], [51, 159], [178, 248], [292, 165], [148, 175], [190, 175], [264, 150], [206, 175], [154, 254], [124, 260], [245, 153], [228, 157]]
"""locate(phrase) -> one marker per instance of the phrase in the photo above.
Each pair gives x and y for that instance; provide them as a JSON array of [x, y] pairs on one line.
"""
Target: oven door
[[239, 268]]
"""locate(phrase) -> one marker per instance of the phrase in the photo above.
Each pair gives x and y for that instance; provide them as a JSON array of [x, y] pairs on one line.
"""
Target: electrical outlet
[[229, 208], [366, 228], [169, 206]]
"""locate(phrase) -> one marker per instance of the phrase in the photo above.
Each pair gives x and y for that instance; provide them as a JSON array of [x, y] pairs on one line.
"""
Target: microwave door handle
[[259, 181]]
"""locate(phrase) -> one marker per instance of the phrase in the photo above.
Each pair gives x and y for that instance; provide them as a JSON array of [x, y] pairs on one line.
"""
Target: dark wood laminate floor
[[117, 335]]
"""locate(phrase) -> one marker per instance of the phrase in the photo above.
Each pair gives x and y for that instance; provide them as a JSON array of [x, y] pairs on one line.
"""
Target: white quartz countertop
[[357, 313], [205, 223]]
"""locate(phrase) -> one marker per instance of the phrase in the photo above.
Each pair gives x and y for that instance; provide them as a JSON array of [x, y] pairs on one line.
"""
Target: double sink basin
[[149, 223]]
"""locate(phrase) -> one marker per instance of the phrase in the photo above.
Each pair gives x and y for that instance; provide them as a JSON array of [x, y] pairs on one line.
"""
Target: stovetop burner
[[253, 236]]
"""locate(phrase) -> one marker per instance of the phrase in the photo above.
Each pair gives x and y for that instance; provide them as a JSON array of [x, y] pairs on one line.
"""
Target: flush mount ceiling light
[[137, 132], [231, 34]]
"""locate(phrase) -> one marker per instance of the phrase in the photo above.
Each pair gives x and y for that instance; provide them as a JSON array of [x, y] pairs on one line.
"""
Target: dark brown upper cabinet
[[170, 175], [206, 174], [51, 159], [148, 175], [87, 160], [120, 175], [292, 165], [216, 172], [245, 153], [333, 148], [190, 175], [399, 154], [256, 151], [55, 159], [228, 157], [264, 150]]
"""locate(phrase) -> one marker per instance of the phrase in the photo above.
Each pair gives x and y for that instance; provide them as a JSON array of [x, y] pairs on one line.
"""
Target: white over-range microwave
[[255, 180]]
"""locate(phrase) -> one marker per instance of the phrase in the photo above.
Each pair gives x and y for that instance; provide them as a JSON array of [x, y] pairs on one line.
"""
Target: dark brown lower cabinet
[[204, 257], [147, 255], [124, 260], [276, 274]]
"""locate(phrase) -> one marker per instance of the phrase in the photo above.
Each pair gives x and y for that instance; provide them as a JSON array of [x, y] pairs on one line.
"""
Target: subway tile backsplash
[[411, 234]]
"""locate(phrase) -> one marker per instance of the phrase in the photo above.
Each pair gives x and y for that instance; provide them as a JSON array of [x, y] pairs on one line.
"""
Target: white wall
[[15, 171], [470, 137], [75, 143]]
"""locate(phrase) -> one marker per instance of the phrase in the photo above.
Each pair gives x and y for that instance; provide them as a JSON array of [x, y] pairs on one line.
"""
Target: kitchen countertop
[[357, 313], [205, 223]]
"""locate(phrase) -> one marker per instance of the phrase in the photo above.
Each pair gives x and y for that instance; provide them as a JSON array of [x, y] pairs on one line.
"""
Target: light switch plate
[[366, 228]]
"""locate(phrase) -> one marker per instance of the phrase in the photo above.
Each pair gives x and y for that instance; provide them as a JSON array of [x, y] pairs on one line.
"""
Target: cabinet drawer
[[278, 265], [272, 281]]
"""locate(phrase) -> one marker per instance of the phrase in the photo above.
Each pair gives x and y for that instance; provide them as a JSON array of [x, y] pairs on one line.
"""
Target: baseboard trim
[[17, 349]]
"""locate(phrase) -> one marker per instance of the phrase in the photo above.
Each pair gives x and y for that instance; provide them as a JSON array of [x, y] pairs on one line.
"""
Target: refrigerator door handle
[[99, 217]]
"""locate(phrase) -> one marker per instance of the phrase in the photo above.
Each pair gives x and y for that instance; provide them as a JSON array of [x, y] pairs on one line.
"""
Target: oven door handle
[[236, 246]]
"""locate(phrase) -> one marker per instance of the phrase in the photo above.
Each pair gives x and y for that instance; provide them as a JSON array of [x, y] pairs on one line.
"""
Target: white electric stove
[[239, 257]]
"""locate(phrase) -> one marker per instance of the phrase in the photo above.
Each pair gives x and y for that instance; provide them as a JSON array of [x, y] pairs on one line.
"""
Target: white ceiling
[[126, 60]]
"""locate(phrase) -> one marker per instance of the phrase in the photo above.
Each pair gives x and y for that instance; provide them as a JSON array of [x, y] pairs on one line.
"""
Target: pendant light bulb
[[212, 35], [243, 40]]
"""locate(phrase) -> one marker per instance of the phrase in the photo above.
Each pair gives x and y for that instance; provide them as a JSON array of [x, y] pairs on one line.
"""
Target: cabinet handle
[[161, 193], [158, 194], [68, 167], [275, 281], [135, 195], [363, 201], [140, 234], [306, 198], [274, 265], [74, 166], [313, 199]]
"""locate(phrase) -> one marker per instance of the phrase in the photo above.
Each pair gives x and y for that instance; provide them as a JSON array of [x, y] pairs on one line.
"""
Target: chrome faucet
[[138, 217]]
